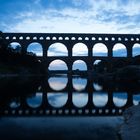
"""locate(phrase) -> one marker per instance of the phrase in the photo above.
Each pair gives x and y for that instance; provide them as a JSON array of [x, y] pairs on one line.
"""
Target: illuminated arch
[[35, 48], [119, 50], [57, 49], [80, 49], [58, 65], [100, 49]]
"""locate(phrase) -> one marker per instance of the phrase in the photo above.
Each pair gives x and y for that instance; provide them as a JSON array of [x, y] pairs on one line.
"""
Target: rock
[[130, 129]]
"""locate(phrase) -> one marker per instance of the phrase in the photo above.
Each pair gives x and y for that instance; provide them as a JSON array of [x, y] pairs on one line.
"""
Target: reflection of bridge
[[69, 40], [67, 107]]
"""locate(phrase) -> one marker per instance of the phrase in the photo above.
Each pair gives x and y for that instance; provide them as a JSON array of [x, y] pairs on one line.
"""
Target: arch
[[83, 99], [79, 83], [136, 49], [57, 100], [100, 66], [35, 100], [99, 49], [15, 103], [136, 99], [79, 65], [100, 99], [58, 83], [97, 86], [79, 49], [119, 50], [15, 46], [35, 48], [57, 49], [120, 99], [58, 65]]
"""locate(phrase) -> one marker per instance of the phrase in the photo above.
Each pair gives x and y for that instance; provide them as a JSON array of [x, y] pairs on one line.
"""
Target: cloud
[[100, 16]]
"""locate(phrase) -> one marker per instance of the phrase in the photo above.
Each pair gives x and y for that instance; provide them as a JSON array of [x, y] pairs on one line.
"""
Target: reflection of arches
[[35, 101], [100, 49], [79, 65], [80, 99], [136, 99], [35, 48], [79, 83], [15, 46], [15, 103], [136, 49], [57, 99], [57, 49], [100, 99], [119, 50], [79, 49], [58, 83], [120, 99], [58, 65]]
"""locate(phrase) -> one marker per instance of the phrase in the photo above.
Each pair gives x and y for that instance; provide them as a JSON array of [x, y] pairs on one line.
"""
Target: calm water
[[36, 104]]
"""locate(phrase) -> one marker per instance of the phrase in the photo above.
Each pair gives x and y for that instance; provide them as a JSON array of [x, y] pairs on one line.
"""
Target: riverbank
[[130, 129], [63, 128]]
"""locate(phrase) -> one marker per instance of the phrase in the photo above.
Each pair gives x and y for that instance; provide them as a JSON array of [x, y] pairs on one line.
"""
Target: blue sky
[[71, 16], [90, 16]]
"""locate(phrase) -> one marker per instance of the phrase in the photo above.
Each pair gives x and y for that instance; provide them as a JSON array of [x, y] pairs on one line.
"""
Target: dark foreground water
[[63, 107]]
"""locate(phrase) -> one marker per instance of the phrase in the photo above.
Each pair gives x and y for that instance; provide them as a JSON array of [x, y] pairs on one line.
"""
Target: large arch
[[57, 49], [99, 49], [35, 48], [79, 49], [79, 65], [119, 50], [136, 49], [57, 65], [15, 46]]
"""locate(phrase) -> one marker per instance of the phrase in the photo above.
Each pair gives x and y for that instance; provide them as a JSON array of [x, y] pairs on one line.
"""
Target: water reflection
[[97, 87], [35, 100], [136, 99], [119, 99], [80, 99], [79, 84], [58, 83], [32, 93], [14, 103], [100, 99], [57, 99]]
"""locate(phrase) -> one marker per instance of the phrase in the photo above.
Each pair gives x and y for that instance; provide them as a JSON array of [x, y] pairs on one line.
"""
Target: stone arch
[[80, 49], [100, 49], [136, 49], [35, 48], [58, 99], [119, 50], [79, 65], [15, 46], [57, 49], [58, 65]]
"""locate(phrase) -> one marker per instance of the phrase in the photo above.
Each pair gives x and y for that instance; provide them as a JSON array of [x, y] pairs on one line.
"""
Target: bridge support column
[[129, 51]]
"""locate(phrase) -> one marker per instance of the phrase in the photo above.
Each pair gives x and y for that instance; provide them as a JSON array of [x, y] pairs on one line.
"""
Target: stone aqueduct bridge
[[69, 40]]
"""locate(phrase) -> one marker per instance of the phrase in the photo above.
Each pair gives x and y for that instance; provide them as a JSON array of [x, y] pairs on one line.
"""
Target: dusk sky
[[72, 16], [77, 16]]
